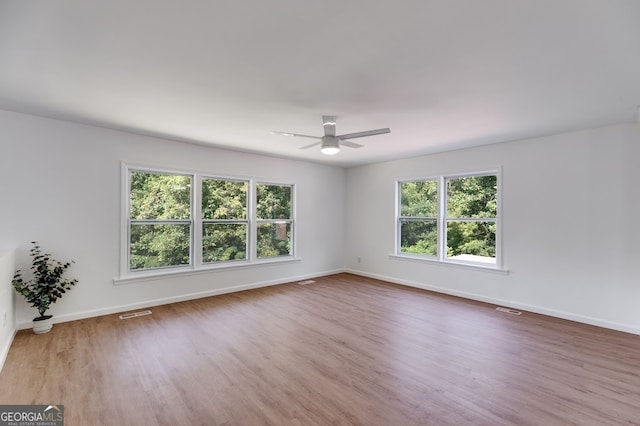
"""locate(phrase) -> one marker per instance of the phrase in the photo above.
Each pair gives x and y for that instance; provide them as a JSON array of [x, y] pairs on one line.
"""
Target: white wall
[[569, 204], [570, 227], [7, 326], [61, 187]]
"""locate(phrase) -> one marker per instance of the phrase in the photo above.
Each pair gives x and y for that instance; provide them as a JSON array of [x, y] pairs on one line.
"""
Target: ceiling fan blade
[[296, 135], [351, 144], [310, 146], [329, 124], [363, 134]]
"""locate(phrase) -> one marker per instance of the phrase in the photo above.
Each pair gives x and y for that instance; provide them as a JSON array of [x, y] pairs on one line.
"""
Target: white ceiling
[[442, 74]]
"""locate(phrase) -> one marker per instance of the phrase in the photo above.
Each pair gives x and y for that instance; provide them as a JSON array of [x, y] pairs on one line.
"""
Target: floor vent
[[305, 282], [135, 314], [508, 311]]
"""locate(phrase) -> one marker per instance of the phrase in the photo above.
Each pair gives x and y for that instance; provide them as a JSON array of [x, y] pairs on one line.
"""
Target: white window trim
[[196, 266], [125, 226], [441, 219]]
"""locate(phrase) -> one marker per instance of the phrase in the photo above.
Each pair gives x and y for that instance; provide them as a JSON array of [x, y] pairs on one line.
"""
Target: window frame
[[203, 221], [126, 266], [443, 219], [196, 223], [259, 221], [405, 219]]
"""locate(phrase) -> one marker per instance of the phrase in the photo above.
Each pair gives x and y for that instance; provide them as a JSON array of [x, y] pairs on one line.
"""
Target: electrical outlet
[[4, 321], [359, 260]]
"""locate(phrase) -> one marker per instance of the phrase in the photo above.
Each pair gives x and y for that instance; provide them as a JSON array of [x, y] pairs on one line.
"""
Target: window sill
[[451, 264], [186, 271]]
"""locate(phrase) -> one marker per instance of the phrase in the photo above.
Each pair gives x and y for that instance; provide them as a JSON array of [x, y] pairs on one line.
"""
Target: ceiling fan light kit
[[330, 143]]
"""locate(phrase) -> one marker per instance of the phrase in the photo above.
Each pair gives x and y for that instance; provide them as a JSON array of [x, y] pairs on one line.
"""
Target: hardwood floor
[[345, 350]]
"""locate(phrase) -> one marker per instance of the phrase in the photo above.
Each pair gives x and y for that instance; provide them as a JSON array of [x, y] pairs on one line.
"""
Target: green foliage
[[224, 199], [47, 284], [224, 241], [274, 201], [274, 239], [419, 199], [166, 197], [159, 245], [477, 238], [160, 196], [472, 197], [419, 237], [160, 233]]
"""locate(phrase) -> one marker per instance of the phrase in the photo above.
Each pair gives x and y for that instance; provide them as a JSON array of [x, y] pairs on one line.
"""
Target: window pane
[[419, 237], [155, 246], [274, 201], [472, 241], [474, 196], [419, 199], [224, 241], [274, 239], [224, 199], [159, 196]]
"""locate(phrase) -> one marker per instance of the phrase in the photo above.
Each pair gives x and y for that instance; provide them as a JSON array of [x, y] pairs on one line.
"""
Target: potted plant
[[46, 286]]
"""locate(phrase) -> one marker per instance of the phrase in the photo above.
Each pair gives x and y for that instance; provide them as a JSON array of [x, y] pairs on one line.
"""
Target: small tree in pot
[[46, 286]]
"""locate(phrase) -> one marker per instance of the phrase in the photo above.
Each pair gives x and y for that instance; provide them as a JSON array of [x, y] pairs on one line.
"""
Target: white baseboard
[[4, 351], [506, 303], [174, 299]]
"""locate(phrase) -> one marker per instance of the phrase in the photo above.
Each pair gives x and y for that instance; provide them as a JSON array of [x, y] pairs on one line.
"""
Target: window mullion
[[196, 222], [442, 210], [398, 235], [252, 226], [471, 219], [498, 221], [125, 234], [417, 218], [160, 221]]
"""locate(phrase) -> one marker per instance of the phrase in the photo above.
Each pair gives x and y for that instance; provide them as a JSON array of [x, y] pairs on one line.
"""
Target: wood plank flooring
[[346, 350]]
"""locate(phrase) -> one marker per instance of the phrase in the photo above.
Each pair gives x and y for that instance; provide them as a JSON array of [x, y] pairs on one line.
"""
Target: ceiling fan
[[330, 143]]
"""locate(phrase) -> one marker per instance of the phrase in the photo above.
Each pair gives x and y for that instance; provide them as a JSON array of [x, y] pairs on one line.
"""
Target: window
[[419, 217], [450, 219], [225, 223], [159, 224], [181, 221], [472, 209], [274, 220]]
